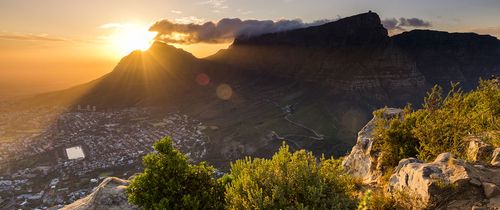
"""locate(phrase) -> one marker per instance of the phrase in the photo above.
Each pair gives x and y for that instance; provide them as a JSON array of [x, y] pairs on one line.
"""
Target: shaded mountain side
[[351, 55], [253, 122], [356, 53], [442, 57], [145, 78], [358, 30]]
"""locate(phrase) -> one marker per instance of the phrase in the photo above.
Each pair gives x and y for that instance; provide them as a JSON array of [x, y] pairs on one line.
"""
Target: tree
[[169, 181], [289, 181]]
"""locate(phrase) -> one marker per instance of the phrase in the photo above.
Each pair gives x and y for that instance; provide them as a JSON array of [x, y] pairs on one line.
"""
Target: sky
[[53, 44]]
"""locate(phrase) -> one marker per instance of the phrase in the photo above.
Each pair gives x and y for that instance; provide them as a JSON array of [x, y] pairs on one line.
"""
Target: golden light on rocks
[[224, 91]]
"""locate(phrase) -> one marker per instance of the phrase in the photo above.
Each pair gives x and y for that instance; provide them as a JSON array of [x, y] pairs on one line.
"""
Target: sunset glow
[[128, 38]]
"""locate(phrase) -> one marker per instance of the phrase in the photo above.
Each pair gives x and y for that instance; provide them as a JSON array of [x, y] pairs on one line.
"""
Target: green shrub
[[371, 200], [393, 138], [459, 114], [170, 182], [289, 181], [441, 125]]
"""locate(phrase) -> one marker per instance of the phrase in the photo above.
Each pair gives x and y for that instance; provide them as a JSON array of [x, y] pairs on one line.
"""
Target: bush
[[289, 181], [371, 200], [170, 182], [441, 125], [393, 138]]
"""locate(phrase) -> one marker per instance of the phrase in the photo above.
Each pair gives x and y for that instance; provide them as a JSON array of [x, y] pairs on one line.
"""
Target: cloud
[[225, 30], [176, 11], [217, 5], [414, 22], [391, 23], [402, 24], [31, 37], [189, 19]]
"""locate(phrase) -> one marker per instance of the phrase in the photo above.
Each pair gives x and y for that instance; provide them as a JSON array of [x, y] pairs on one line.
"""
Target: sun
[[129, 37]]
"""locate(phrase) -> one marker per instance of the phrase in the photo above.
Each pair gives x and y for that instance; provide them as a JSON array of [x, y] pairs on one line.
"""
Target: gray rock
[[431, 183], [362, 161], [475, 182], [110, 194], [495, 160], [490, 190], [478, 150]]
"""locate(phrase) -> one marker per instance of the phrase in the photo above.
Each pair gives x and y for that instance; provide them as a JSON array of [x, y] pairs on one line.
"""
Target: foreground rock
[[446, 183], [110, 194], [362, 161], [495, 161], [478, 150]]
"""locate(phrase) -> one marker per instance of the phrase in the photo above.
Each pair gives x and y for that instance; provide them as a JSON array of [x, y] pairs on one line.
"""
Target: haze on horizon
[[51, 45]]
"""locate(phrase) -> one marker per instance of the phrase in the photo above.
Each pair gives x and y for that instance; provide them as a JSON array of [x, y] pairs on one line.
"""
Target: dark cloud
[[30, 37], [223, 31], [414, 22], [391, 23], [401, 24]]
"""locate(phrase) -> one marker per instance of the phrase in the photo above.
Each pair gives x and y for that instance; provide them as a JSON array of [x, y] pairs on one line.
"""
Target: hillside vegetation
[[442, 125], [299, 180]]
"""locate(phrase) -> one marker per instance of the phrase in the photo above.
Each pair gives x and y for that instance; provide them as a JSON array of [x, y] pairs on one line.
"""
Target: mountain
[[442, 57], [314, 87]]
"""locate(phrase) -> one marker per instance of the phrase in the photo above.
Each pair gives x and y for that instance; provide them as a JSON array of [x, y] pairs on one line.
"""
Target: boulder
[[495, 160], [446, 182], [110, 194], [490, 190], [362, 161], [478, 150]]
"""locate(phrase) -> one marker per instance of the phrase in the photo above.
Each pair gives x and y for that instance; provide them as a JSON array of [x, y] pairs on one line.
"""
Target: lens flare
[[202, 79], [224, 92]]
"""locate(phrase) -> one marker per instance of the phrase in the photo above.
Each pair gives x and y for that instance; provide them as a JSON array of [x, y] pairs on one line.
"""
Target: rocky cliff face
[[362, 161], [356, 54], [350, 55], [445, 183], [110, 195]]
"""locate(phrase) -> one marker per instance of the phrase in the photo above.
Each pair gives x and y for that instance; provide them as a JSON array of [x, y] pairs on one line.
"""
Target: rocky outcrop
[[362, 161], [478, 150], [358, 30], [356, 54], [446, 182], [353, 54], [495, 160], [110, 195]]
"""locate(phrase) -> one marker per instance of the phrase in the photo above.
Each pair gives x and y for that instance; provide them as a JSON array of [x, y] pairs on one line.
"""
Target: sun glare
[[128, 38]]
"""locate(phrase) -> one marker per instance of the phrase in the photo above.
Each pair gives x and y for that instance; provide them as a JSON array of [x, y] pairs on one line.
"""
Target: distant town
[[53, 156]]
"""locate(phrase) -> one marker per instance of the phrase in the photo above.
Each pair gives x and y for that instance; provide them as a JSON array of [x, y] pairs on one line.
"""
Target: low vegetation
[[298, 180], [170, 182], [288, 180], [441, 125]]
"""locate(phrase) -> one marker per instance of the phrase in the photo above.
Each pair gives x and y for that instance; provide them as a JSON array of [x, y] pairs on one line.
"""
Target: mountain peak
[[361, 29]]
